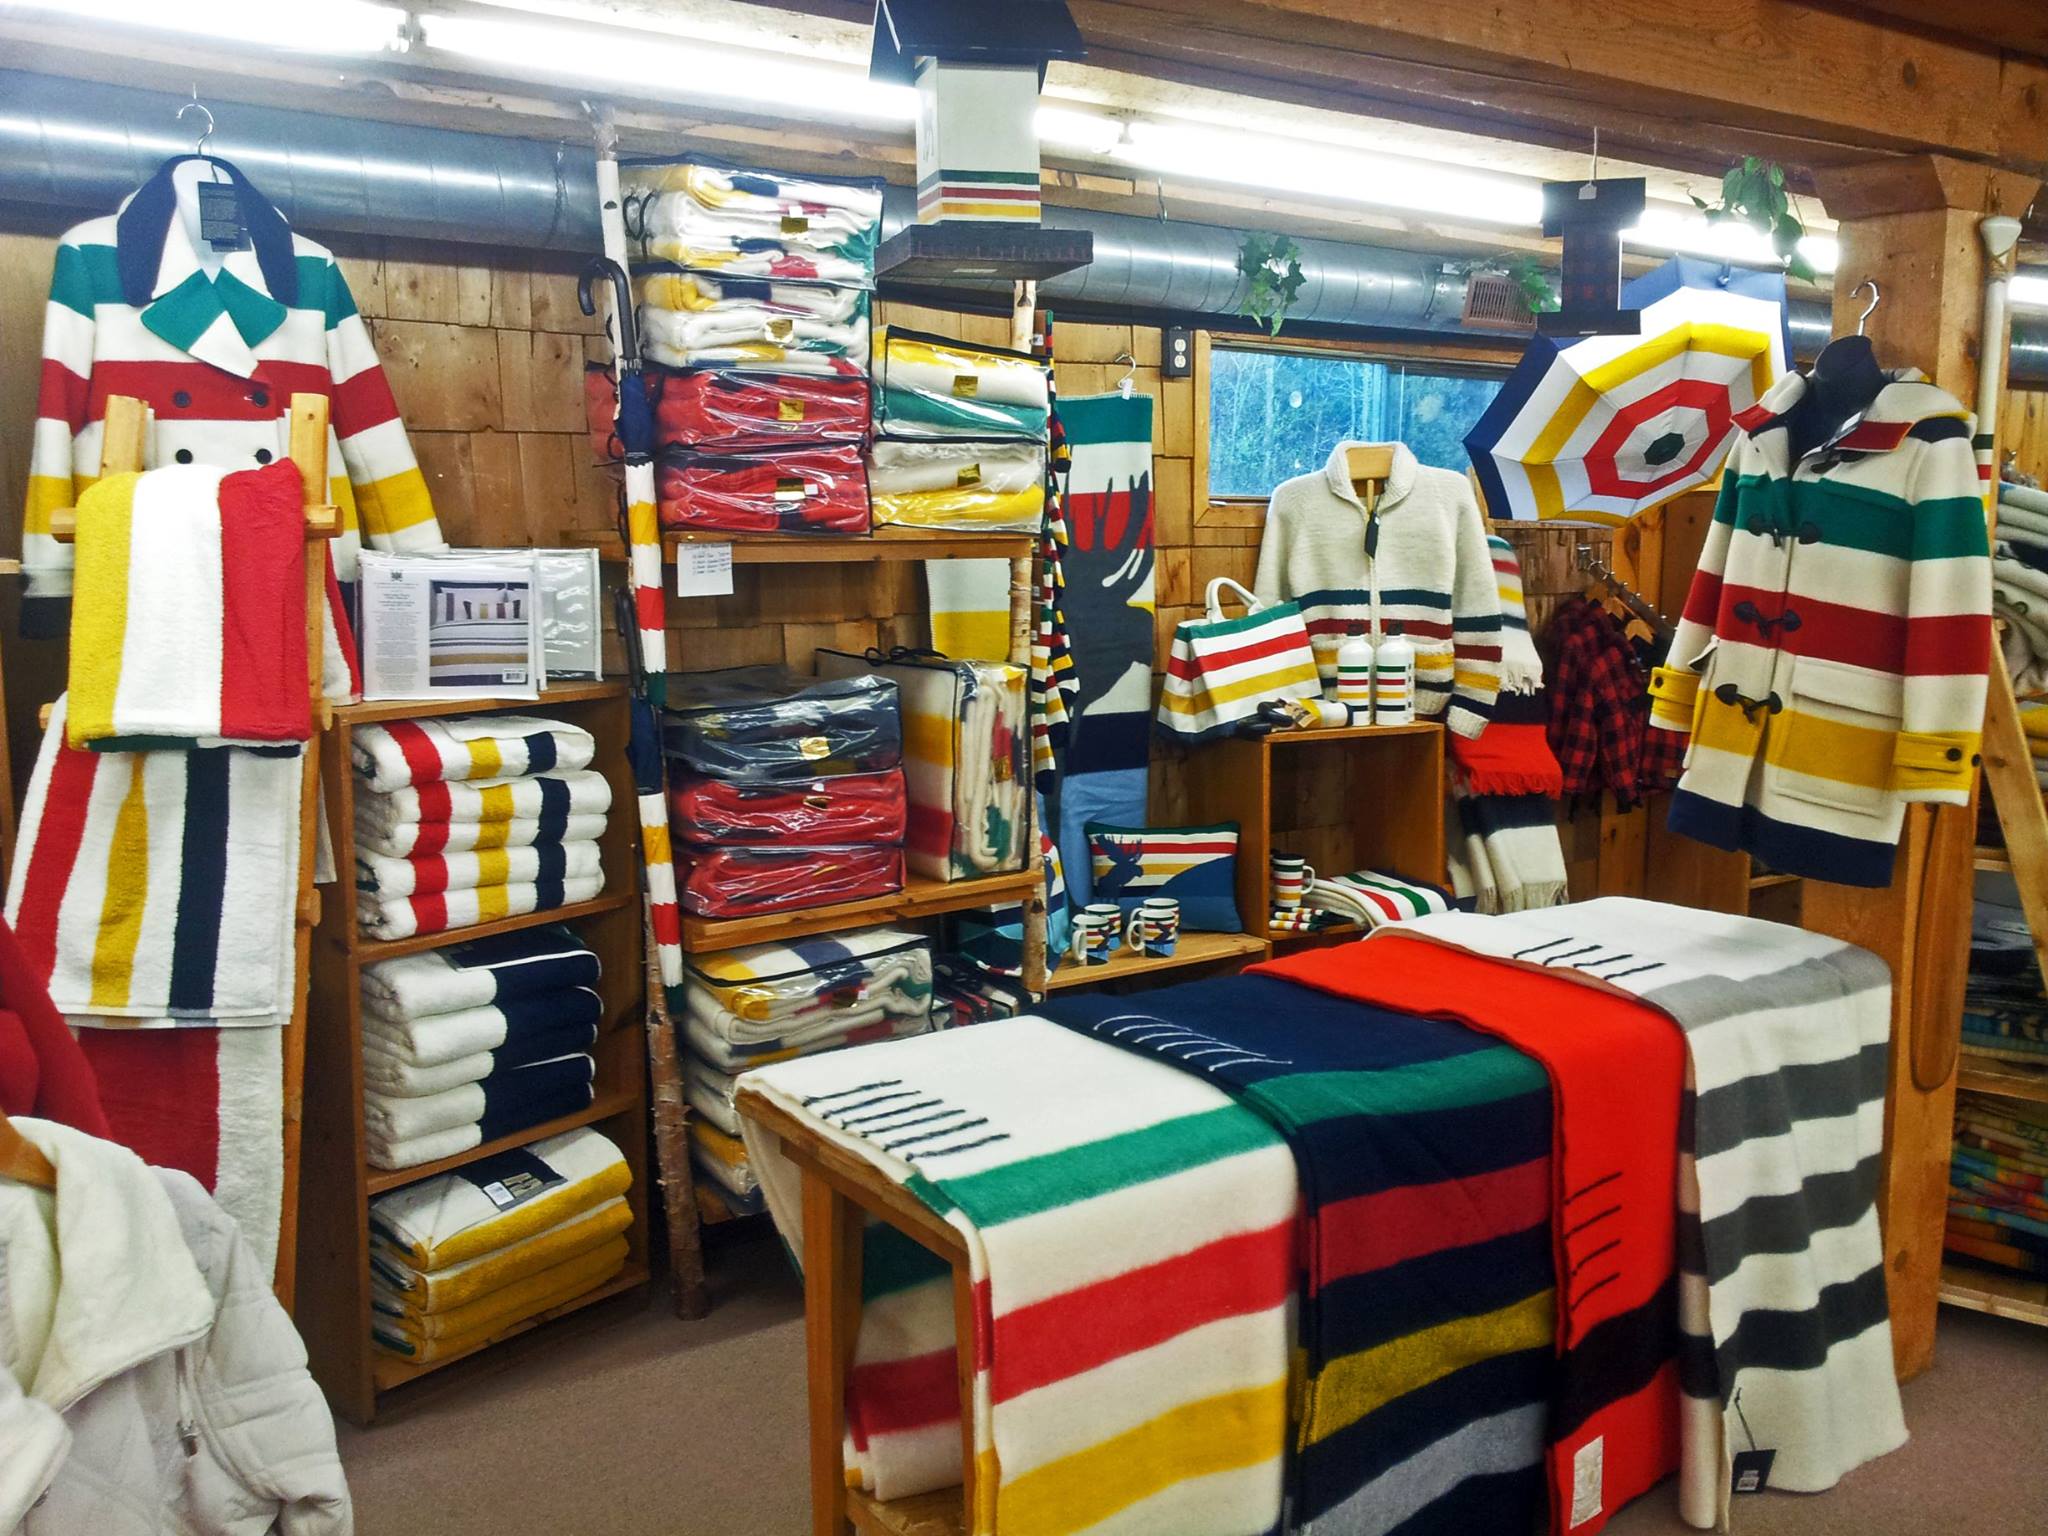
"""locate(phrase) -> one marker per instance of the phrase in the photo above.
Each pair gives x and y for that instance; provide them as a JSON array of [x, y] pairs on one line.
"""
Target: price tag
[[789, 410], [966, 385], [703, 570]]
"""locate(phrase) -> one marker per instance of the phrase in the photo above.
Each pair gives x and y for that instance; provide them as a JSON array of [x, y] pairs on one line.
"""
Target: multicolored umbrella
[[1602, 428]]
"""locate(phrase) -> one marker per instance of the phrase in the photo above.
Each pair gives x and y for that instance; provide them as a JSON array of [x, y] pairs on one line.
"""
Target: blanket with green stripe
[[1131, 1237], [1428, 1309]]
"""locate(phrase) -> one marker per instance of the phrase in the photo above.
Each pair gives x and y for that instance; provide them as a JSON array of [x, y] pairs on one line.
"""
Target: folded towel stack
[[788, 789], [764, 301], [771, 1002], [1998, 1184], [476, 1041], [466, 820], [462, 1259]]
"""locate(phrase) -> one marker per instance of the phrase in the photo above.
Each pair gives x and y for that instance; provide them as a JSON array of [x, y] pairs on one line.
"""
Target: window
[[1275, 414]]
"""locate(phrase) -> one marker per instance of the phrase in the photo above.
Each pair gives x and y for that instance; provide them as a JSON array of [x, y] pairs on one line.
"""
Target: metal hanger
[[1870, 308], [1129, 381], [1623, 593], [205, 134]]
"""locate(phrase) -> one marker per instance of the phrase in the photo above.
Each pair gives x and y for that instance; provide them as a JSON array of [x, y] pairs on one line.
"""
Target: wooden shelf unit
[[1195, 950], [828, 549], [1377, 789], [334, 1231], [2017, 1297], [920, 897], [925, 1514], [2000, 1078]]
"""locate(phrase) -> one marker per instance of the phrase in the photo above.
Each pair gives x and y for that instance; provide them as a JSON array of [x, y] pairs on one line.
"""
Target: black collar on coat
[[140, 228]]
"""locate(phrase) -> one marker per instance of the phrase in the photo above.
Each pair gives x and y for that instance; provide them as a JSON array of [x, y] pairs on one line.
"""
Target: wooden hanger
[[22, 1160], [1369, 465]]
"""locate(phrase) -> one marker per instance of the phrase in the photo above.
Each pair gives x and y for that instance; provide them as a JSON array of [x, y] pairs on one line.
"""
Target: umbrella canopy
[[1602, 428]]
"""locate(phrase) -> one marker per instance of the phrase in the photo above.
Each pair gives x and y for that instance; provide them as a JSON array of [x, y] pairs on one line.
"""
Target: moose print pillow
[[1197, 866]]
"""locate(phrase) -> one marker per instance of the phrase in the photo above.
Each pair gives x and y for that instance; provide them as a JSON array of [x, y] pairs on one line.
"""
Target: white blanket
[[388, 757], [438, 1038], [585, 793], [475, 976], [429, 874], [400, 917], [413, 839]]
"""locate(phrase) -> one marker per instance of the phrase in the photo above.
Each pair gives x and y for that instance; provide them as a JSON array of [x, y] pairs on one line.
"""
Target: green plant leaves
[[1271, 268], [1754, 193]]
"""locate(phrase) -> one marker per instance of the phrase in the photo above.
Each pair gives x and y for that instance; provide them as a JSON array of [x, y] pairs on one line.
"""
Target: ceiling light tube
[[303, 26]]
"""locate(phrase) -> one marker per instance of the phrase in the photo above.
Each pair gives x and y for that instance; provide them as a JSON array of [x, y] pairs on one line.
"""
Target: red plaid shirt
[[1600, 712]]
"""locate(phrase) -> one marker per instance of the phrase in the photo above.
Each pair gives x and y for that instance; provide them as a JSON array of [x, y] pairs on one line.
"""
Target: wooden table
[[839, 1191]]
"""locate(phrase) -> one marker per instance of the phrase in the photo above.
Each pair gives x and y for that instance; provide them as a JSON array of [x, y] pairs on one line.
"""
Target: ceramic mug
[[1102, 922], [1292, 876], [1157, 918]]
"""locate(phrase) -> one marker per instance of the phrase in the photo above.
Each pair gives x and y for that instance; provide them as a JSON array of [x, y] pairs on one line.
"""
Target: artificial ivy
[[1271, 268], [1527, 274], [1753, 193]]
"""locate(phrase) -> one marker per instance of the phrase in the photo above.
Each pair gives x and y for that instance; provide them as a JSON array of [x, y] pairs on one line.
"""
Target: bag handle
[[1251, 604]]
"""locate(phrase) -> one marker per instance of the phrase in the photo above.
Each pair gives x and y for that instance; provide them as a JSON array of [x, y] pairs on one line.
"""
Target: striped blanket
[[1423, 1155], [433, 873], [1616, 1077], [766, 989], [417, 839], [755, 223], [400, 917], [933, 386], [441, 1038], [1131, 1238], [549, 799], [406, 752], [1368, 898], [479, 973], [171, 643], [1781, 1284]]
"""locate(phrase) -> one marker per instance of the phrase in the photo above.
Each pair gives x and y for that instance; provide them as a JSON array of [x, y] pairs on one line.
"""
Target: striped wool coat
[[1831, 662], [216, 355]]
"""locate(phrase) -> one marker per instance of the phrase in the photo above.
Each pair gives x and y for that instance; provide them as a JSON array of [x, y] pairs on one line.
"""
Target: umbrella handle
[[603, 268]]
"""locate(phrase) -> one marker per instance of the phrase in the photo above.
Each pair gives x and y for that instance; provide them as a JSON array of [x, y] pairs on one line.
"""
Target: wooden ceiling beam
[[2020, 25]]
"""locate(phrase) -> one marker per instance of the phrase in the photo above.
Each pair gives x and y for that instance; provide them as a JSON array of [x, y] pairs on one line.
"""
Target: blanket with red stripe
[[1423, 1152], [1617, 1075], [1130, 1234]]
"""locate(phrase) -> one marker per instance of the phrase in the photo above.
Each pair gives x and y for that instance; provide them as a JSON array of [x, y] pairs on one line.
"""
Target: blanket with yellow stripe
[[1130, 1234], [406, 752]]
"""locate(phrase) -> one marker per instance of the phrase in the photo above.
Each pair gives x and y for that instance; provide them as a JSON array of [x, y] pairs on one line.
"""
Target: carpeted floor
[[643, 1426]]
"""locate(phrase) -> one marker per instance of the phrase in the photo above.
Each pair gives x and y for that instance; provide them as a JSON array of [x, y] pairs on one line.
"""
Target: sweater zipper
[[188, 1423]]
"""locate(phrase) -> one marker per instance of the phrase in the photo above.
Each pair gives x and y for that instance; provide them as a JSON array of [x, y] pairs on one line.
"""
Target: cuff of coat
[[1463, 720], [1934, 765], [1672, 692]]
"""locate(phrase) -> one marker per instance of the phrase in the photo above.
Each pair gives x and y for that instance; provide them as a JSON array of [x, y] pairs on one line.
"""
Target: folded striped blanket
[[710, 1091], [755, 222], [171, 643], [459, 1330], [408, 840], [159, 888], [498, 1106], [432, 874], [395, 1075], [862, 1027], [1423, 1155], [400, 917], [699, 294], [439, 1038], [1130, 1233], [755, 336], [1781, 1300], [479, 973], [1369, 899], [724, 1157], [764, 990], [546, 798], [932, 386], [1616, 1076], [401, 1286], [408, 752], [842, 808], [963, 484], [498, 1201]]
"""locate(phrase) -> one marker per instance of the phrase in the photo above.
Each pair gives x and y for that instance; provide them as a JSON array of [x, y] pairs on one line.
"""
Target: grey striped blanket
[[1787, 1340]]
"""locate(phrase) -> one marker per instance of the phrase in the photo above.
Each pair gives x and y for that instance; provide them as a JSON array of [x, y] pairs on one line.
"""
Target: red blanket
[[1617, 1074], [775, 490]]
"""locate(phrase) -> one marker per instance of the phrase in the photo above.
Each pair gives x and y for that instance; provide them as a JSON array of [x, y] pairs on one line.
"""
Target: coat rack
[[1622, 592]]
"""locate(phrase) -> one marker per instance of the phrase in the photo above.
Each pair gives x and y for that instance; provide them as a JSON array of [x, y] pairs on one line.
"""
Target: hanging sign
[[1589, 216]]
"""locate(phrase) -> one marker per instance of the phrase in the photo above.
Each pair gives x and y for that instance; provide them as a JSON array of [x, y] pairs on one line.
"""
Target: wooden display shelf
[[441, 709], [1192, 950], [368, 951], [1351, 733], [2017, 1297], [1336, 931], [390, 1371], [2001, 1079], [926, 1514], [920, 897], [1767, 882], [604, 1107], [829, 549]]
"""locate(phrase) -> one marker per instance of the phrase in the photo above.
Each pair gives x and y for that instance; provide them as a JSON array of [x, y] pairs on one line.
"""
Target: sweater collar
[[1400, 479], [1906, 403], [217, 317]]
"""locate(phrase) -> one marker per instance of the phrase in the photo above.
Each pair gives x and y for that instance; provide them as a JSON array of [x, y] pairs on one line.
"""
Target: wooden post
[[1910, 225], [832, 1237]]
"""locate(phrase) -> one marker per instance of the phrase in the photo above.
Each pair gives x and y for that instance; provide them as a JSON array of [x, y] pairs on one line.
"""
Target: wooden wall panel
[[2023, 430]]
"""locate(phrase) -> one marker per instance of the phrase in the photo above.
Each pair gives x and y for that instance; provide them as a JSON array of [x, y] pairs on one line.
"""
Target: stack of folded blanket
[[480, 817], [962, 483], [476, 1041], [1998, 1184], [773, 1002], [2019, 583], [1369, 899], [762, 303], [786, 791], [468, 1257]]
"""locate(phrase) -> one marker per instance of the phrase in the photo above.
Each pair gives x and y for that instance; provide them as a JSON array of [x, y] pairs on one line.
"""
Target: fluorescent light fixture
[[309, 26], [1273, 164], [2029, 289], [637, 61], [1666, 229], [1086, 133]]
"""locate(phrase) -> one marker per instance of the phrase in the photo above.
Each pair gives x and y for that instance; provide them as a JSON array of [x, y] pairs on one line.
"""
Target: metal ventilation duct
[[82, 145]]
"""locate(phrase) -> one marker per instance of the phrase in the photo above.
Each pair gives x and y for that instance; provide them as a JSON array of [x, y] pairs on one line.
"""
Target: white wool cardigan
[[1431, 574]]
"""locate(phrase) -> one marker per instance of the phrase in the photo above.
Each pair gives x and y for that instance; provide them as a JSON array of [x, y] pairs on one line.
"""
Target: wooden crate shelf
[[1194, 949], [334, 1233], [824, 549], [2017, 1297], [920, 897], [2001, 1079]]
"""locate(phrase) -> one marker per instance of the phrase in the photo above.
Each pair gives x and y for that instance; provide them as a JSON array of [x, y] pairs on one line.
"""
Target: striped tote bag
[[1221, 670]]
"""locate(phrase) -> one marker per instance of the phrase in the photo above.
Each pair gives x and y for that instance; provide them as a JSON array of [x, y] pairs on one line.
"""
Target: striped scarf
[[1423, 1156], [1781, 1300]]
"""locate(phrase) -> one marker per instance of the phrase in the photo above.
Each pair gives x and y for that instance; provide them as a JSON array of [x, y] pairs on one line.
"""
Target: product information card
[[440, 629]]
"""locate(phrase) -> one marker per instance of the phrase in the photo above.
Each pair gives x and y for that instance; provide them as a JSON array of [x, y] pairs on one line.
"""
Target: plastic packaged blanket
[[819, 488], [848, 808], [769, 995], [930, 386], [707, 1047], [964, 738], [688, 319], [744, 882], [729, 408], [754, 223], [995, 485], [772, 725]]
